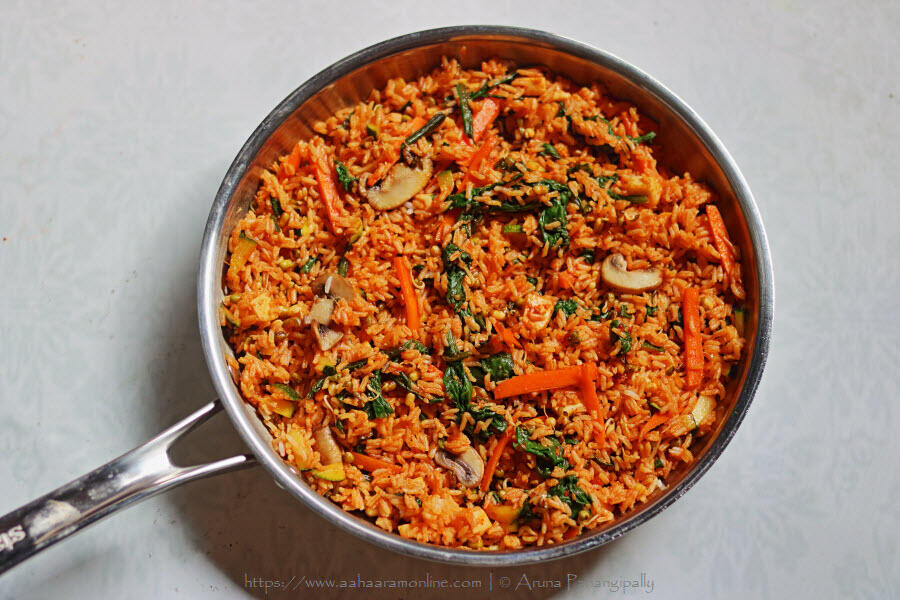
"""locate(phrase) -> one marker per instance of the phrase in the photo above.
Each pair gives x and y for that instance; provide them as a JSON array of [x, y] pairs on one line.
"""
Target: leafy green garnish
[[527, 511], [346, 123], [496, 422], [327, 372], [555, 213], [547, 456], [473, 209], [623, 312], [372, 131], [451, 350], [456, 291], [602, 315], [465, 313], [453, 256], [339, 425], [347, 180], [580, 167], [549, 150], [568, 490], [651, 310], [589, 255], [394, 353], [457, 386], [512, 228], [465, 109], [648, 346], [403, 380], [657, 464], [500, 366], [625, 337], [567, 307], [377, 407], [532, 280]]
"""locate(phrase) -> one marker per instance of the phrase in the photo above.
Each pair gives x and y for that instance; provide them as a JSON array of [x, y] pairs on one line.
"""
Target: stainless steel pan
[[685, 143]]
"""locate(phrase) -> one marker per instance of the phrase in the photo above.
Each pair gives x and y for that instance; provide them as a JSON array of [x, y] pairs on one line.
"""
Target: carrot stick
[[693, 345], [491, 465], [538, 381], [293, 160], [652, 423], [589, 397], [506, 335], [589, 389], [327, 189], [370, 463], [485, 116], [725, 247], [479, 155], [409, 292], [394, 151]]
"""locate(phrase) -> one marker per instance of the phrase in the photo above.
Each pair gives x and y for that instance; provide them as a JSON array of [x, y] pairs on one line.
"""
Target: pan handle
[[138, 474]]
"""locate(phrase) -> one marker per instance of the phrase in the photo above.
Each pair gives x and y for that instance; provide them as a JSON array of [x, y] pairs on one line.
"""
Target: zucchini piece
[[242, 252], [283, 407], [704, 407], [445, 181], [503, 514], [332, 472]]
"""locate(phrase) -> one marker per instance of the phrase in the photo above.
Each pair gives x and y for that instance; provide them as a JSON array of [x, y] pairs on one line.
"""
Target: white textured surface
[[116, 126]]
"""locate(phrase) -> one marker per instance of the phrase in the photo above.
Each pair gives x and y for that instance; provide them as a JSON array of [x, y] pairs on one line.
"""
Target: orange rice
[[535, 304]]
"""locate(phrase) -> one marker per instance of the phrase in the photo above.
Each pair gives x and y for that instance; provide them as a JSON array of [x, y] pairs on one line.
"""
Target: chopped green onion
[[427, 128], [308, 265], [549, 150], [465, 109], [347, 180], [277, 211]]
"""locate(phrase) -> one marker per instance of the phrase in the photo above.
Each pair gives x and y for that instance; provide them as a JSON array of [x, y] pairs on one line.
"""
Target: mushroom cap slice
[[615, 274], [402, 183], [326, 336], [468, 466], [334, 286], [321, 311], [329, 288], [327, 446]]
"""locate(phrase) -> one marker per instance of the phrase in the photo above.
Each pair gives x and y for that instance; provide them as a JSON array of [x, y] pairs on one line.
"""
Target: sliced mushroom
[[468, 466], [321, 310], [326, 336], [402, 183], [615, 274], [326, 445], [330, 287]]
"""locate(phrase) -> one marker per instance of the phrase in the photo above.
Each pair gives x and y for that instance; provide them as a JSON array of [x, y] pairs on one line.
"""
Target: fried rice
[[476, 329]]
